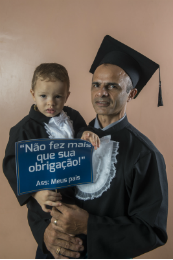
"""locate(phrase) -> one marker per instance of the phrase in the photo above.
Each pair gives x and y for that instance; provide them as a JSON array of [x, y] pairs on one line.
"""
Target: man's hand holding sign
[[92, 138]]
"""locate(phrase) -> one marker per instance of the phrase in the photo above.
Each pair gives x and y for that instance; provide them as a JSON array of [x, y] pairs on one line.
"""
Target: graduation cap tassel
[[160, 101]]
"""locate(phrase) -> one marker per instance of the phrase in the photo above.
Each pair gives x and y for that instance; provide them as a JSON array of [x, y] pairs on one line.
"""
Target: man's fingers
[[93, 142], [55, 210], [67, 248], [92, 138], [68, 245], [66, 238], [69, 253], [57, 226], [63, 208], [97, 141], [58, 256], [86, 134]]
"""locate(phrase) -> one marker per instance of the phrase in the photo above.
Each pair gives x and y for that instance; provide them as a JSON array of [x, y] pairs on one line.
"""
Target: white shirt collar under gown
[[97, 125], [104, 170], [60, 127]]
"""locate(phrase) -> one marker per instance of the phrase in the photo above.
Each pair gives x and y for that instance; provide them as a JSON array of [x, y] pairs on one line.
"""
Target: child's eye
[[58, 96], [43, 96]]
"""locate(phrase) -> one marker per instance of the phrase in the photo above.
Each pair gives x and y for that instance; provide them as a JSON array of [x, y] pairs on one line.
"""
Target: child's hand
[[47, 197], [92, 138]]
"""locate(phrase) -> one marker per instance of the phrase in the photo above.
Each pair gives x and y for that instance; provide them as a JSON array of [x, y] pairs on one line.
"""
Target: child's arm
[[92, 138], [47, 197], [9, 164]]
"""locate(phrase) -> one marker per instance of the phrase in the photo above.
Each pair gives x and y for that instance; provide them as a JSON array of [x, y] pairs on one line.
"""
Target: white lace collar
[[60, 127]]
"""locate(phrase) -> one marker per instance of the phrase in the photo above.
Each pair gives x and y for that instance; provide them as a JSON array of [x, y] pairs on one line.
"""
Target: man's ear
[[132, 94], [33, 94]]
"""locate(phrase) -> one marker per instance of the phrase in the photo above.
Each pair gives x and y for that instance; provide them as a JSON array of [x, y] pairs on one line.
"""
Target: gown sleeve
[[9, 165], [38, 221], [144, 227]]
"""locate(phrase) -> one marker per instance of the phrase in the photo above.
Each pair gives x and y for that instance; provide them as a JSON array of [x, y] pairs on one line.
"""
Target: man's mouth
[[50, 111], [102, 103]]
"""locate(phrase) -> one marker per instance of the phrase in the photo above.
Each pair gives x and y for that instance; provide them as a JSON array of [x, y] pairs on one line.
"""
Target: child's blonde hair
[[52, 72]]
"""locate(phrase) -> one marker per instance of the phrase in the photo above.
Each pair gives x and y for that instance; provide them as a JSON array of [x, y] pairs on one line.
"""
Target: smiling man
[[126, 215]]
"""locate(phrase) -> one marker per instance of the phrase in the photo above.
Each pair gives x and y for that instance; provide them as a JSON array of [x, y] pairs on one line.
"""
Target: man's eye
[[95, 85], [58, 96], [112, 86]]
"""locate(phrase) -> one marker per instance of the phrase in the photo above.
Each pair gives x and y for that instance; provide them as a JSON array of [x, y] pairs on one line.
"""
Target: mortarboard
[[138, 67]]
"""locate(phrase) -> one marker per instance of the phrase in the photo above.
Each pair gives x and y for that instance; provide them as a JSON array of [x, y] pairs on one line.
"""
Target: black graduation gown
[[32, 127], [129, 218]]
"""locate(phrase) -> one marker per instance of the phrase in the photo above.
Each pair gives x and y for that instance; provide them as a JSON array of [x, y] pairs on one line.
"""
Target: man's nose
[[102, 92]]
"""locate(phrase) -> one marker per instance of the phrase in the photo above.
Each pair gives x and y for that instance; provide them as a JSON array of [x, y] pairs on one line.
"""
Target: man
[[125, 215]]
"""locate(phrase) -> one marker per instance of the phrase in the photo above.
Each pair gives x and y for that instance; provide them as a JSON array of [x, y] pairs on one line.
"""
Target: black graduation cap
[[138, 67]]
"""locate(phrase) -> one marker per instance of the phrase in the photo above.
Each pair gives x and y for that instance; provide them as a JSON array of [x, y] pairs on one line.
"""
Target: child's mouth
[[50, 111]]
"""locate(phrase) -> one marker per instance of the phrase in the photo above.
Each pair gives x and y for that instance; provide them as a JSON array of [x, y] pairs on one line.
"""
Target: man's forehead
[[109, 72]]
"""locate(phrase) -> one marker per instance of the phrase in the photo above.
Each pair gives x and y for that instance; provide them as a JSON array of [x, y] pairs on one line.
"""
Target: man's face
[[50, 96], [108, 90]]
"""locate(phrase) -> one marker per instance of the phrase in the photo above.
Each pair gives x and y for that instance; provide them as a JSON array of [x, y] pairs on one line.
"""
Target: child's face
[[50, 96]]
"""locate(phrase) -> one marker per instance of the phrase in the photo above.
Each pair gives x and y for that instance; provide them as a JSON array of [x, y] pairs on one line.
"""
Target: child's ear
[[67, 96], [32, 93]]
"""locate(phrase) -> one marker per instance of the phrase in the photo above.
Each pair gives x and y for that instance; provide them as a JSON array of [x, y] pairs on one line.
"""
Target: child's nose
[[51, 102]]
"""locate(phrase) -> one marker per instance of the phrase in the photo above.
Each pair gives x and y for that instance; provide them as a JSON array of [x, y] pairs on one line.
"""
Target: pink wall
[[69, 32]]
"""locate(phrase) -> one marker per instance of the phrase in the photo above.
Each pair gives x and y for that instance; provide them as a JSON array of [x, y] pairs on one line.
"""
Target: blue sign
[[52, 164]]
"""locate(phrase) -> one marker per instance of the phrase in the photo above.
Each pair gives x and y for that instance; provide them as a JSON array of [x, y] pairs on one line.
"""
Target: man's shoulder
[[141, 138]]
